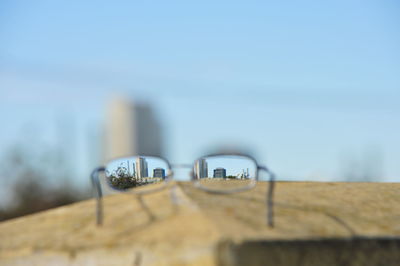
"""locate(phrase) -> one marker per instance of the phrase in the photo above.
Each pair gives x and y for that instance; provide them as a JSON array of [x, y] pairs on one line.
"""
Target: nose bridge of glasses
[[181, 166], [181, 171]]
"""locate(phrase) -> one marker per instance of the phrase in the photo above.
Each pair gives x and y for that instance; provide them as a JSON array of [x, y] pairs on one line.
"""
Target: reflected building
[[245, 174], [133, 172], [141, 168], [220, 172], [159, 172], [201, 168]]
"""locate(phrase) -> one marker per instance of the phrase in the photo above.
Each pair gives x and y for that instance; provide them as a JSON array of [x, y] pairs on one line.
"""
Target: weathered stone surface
[[152, 230], [314, 252]]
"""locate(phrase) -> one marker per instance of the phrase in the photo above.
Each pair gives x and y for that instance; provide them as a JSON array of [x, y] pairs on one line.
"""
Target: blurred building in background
[[130, 129]]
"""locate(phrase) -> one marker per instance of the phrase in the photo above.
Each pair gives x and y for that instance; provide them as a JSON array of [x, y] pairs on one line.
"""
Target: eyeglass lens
[[136, 171], [225, 172]]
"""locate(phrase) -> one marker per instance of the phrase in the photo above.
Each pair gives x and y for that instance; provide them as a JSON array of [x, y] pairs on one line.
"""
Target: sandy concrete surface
[[197, 228]]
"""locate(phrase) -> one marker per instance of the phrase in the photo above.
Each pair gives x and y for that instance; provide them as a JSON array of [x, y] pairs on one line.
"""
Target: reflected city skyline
[[132, 172], [225, 167]]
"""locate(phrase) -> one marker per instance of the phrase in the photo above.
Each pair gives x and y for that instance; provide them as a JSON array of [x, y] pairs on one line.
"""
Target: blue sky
[[309, 87]]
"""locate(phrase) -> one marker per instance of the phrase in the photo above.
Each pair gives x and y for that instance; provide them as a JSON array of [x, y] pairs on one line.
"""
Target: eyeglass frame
[[196, 183]]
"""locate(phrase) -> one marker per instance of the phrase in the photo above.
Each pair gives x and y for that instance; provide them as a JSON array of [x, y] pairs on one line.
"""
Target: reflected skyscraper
[[134, 170], [141, 168], [201, 168]]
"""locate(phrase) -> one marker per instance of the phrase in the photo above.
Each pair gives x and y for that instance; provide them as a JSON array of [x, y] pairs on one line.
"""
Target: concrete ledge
[[327, 252], [315, 224]]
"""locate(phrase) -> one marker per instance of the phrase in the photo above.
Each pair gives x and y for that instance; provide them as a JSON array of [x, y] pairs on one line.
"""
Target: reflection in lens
[[135, 171], [224, 172]]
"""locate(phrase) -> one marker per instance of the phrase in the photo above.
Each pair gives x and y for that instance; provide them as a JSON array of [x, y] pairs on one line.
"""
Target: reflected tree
[[121, 178]]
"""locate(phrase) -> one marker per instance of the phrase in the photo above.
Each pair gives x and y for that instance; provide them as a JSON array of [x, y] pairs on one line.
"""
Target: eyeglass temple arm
[[270, 196], [99, 194]]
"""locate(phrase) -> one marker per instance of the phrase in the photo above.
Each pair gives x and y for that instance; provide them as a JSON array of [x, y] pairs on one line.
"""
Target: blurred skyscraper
[[131, 129]]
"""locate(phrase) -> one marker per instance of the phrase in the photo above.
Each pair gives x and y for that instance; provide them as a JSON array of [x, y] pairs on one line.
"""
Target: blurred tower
[[131, 129]]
